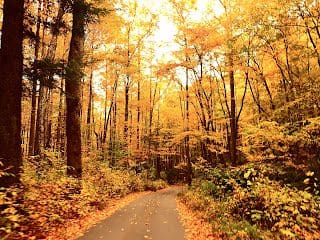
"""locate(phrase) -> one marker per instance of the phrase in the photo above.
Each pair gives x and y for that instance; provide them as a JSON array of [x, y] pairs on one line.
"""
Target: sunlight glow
[[164, 36]]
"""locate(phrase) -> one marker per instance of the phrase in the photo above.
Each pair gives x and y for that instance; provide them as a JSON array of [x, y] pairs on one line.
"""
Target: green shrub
[[244, 202], [155, 185]]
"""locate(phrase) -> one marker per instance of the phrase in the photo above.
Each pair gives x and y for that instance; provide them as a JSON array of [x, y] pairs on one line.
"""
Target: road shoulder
[[76, 228]]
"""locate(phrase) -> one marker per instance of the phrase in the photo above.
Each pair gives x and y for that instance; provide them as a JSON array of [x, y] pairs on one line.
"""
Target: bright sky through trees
[[164, 36]]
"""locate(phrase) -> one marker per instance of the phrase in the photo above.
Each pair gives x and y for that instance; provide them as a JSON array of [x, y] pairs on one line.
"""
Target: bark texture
[[73, 91], [11, 70]]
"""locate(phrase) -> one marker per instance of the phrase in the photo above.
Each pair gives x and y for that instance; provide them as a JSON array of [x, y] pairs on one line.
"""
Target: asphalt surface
[[153, 216]]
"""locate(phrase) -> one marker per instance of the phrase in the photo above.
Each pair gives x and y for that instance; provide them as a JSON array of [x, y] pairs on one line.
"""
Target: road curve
[[153, 216]]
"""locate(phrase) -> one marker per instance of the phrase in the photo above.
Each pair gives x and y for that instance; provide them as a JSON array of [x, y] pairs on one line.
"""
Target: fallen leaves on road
[[74, 229], [195, 227]]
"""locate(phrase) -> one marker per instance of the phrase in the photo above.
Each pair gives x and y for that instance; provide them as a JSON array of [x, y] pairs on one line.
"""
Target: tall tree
[[11, 70], [233, 120], [73, 90], [34, 85]]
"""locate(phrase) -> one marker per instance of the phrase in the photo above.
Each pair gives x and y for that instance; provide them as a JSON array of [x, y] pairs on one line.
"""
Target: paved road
[[153, 216]]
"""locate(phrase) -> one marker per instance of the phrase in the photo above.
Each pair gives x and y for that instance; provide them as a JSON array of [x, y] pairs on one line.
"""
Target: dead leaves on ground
[[75, 228], [196, 228]]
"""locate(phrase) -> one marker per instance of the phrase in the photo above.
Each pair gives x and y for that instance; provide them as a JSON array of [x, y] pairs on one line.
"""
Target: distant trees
[[11, 70]]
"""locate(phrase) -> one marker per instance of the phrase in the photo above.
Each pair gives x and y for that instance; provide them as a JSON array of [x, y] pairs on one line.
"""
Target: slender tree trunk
[[60, 118], [33, 118], [138, 100], [11, 70], [138, 116], [56, 30], [158, 159], [73, 90], [130, 129], [150, 120], [44, 122], [233, 120], [42, 103], [187, 145], [105, 126], [49, 112], [114, 132], [34, 87], [38, 146], [89, 111], [50, 55], [127, 89], [126, 112]]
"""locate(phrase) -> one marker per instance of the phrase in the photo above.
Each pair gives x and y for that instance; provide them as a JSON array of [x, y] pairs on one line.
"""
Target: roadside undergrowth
[[248, 203], [50, 205], [196, 228]]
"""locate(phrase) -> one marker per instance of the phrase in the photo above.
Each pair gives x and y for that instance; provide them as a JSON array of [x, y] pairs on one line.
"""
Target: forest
[[208, 109]]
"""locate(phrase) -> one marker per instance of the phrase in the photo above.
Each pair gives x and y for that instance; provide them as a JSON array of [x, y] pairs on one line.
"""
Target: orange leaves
[[196, 228], [203, 37]]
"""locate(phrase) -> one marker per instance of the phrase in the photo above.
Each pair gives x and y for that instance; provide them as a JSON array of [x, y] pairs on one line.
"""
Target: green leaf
[[247, 174], [287, 232]]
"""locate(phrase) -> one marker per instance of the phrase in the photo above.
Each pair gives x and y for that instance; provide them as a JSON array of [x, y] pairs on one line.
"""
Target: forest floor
[[196, 227], [152, 216]]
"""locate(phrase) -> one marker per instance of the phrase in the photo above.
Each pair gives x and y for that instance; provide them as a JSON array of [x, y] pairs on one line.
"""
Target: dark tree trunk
[[73, 91], [138, 116], [60, 118], [233, 118], [158, 157], [42, 103], [105, 122], [89, 111], [11, 70], [39, 138], [33, 118], [113, 122], [51, 52], [139, 104], [187, 139], [46, 122], [49, 112], [34, 88], [126, 112], [114, 131]]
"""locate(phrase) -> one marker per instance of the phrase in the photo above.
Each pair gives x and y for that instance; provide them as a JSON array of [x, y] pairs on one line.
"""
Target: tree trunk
[[33, 118], [126, 113], [50, 55], [187, 145], [138, 103], [39, 138], [34, 88], [56, 31], [60, 119], [89, 111], [233, 120], [11, 70], [42, 103], [158, 157], [114, 131], [105, 124], [138, 116], [49, 112], [73, 91]]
